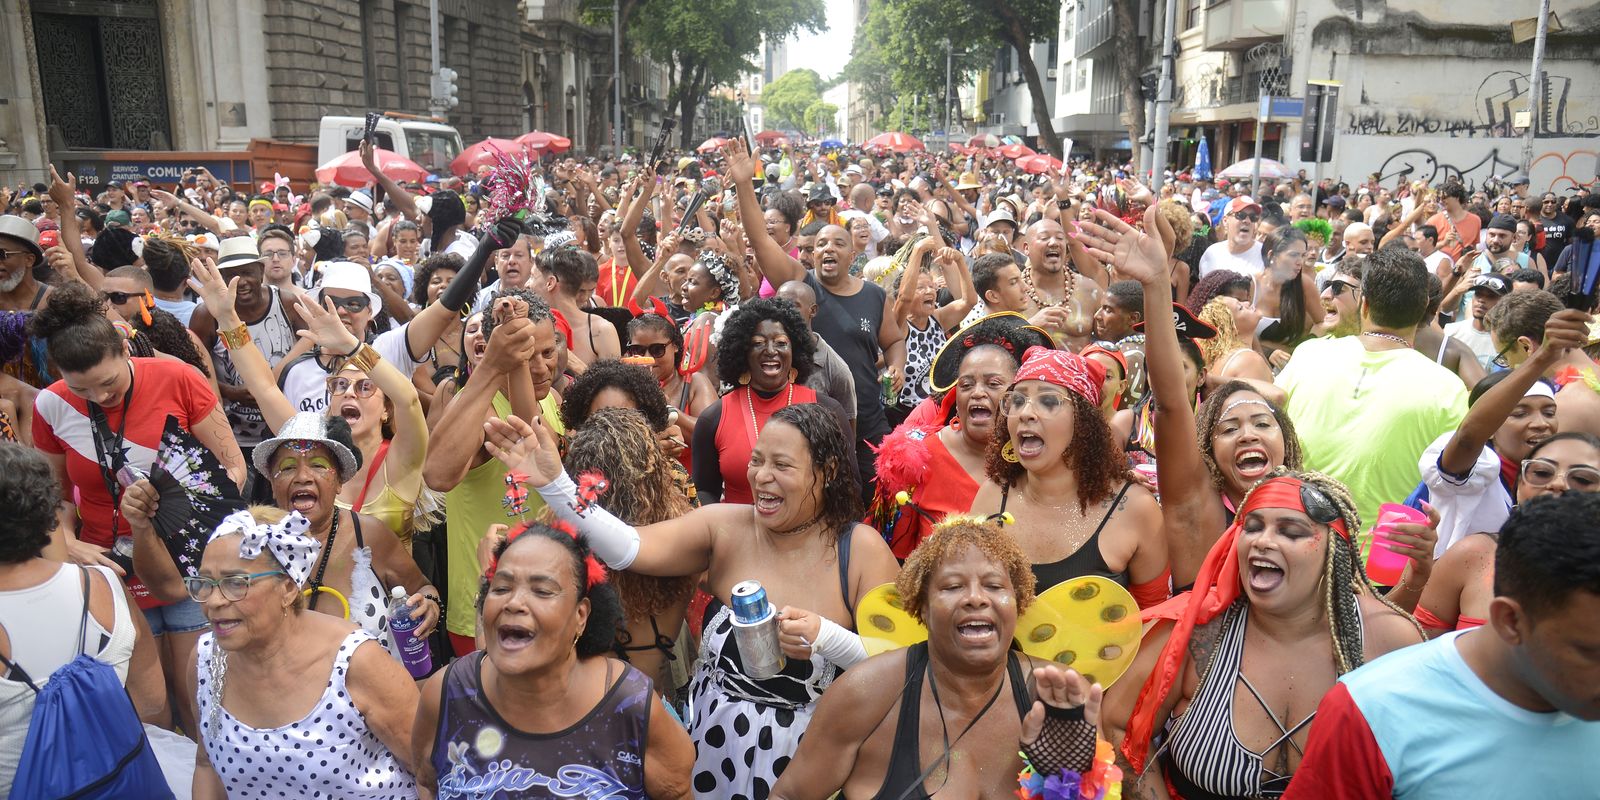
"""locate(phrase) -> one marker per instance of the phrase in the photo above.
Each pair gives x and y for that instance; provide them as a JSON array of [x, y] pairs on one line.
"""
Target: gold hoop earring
[[744, 380], [1009, 453]]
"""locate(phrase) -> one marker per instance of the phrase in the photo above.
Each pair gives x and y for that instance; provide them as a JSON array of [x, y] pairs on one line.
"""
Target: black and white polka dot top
[[330, 753]]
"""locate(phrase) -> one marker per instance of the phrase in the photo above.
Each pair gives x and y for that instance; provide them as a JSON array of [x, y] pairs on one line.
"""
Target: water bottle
[[755, 631], [413, 649]]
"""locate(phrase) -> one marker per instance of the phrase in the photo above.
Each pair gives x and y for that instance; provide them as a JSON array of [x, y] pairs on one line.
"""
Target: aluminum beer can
[[755, 630]]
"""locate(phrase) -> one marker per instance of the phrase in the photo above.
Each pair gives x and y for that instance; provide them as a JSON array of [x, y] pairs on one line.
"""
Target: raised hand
[[63, 192], [1136, 255], [217, 294], [1061, 688], [528, 449], [741, 167], [323, 326]]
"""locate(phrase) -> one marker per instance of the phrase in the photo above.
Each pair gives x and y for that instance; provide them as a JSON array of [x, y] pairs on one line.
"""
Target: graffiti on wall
[[1558, 164], [1495, 105]]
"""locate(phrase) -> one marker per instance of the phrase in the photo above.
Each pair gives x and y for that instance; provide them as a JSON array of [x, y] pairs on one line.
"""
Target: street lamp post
[[616, 83], [1535, 87], [949, 56]]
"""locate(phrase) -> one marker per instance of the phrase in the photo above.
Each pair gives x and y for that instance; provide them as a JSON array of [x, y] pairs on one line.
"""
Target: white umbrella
[[1247, 169]]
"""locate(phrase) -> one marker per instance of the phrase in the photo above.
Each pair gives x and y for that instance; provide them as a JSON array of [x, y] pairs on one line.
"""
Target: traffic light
[[445, 89]]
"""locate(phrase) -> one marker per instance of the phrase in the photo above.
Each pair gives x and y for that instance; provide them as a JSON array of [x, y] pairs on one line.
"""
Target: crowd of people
[[552, 421]]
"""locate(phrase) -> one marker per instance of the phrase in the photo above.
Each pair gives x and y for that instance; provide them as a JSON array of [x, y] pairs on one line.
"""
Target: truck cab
[[427, 141]]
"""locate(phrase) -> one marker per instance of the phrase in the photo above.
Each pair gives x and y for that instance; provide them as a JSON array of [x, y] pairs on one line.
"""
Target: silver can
[[755, 630]]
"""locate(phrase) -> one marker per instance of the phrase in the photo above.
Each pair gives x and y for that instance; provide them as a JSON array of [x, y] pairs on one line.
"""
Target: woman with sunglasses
[[378, 401], [655, 341], [1282, 592], [1056, 478], [270, 724], [1458, 593]]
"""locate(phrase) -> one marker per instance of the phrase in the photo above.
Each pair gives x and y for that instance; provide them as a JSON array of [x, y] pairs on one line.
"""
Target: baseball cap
[[119, 217], [1497, 285], [1334, 202], [1242, 203]]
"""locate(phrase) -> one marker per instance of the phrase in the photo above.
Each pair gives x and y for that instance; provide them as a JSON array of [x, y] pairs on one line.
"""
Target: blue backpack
[[84, 739]]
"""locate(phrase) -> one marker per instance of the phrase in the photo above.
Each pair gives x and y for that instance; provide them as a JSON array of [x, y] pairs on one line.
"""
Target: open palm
[[1134, 254]]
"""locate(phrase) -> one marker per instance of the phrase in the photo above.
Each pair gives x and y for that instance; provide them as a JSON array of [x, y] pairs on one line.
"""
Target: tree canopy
[[819, 117], [788, 97]]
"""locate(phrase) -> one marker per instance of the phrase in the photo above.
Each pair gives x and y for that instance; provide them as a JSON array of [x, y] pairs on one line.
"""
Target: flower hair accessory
[[594, 573], [287, 540]]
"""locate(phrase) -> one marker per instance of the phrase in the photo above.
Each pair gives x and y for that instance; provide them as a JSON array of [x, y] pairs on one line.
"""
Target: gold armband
[[365, 359], [235, 338]]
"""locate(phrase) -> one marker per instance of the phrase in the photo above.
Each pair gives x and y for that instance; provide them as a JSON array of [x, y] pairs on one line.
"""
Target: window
[[755, 84], [432, 150], [1191, 13]]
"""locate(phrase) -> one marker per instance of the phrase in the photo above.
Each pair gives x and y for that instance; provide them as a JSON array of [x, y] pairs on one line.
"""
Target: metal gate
[[102, 73]]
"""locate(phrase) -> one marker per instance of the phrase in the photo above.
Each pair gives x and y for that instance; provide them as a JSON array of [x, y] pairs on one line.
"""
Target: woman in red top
[[766, 355], [106, 412], [940, 465]]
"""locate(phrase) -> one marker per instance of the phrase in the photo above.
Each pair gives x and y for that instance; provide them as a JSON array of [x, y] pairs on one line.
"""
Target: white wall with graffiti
[[1558, 164]]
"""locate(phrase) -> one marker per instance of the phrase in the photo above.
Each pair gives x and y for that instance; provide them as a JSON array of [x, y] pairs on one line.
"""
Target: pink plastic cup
[[1384, 566]]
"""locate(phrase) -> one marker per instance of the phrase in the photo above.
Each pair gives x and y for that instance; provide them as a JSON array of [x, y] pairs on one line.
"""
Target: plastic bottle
[[413, 649]]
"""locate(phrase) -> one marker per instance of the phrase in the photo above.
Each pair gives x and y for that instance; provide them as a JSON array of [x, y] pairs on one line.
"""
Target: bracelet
[[365, 358], [235, 338]]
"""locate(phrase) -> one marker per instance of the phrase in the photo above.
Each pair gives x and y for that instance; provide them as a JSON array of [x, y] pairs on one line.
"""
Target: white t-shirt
[[1218, 256], [305, 382], [1481, 342], [1433, 259]]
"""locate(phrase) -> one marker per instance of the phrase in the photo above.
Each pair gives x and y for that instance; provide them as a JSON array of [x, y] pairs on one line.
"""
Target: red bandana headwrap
[[1215, 588], [1070, 371]]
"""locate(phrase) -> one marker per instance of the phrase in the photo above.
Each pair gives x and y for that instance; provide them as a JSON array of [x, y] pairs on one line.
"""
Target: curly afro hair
[[1210, 414], [949, 539], [634, 381], [605, 608], [833, 461], [1092, 455], [430, 265], [733, 351], [30, 493]]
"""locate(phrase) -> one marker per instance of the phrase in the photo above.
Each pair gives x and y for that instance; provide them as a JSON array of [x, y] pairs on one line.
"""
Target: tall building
[[1089, 102]]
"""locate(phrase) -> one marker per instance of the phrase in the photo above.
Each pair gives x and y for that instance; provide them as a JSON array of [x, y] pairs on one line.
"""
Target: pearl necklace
[[750, 403]]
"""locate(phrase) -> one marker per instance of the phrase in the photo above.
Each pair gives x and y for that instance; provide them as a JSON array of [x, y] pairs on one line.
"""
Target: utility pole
[[1535, 86], [1158, 158], [949, 56], [616, 83], [441, 80]]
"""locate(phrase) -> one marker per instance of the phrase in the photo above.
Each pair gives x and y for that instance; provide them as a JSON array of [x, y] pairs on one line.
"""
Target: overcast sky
[[828, 51]]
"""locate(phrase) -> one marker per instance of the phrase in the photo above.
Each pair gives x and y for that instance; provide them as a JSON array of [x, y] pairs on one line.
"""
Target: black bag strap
[[83, 621], [844, 566], [18, 673]]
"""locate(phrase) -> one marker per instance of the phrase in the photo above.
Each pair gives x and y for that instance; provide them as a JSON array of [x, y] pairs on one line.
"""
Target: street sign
[[160, 168], [1318, 121], [1287, 107]]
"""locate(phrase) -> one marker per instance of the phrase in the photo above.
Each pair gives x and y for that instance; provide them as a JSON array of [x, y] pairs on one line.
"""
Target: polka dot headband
[[287, 540]]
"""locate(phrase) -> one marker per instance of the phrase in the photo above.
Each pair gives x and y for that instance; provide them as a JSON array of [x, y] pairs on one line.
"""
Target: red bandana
[[1070, 371]]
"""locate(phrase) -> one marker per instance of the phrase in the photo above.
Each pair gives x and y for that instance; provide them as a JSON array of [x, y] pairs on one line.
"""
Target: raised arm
[[635, 199], [1191, 506], [65, 194], [185, 207], [775, 264], [457, 439], [398, 197], [958, 278], [218, 295]]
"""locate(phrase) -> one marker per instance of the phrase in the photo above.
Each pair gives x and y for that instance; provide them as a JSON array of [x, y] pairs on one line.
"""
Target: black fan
[[195, 494]]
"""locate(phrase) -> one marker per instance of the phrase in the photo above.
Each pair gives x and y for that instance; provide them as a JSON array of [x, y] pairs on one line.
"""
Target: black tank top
[[1086, 560], [905, 762]]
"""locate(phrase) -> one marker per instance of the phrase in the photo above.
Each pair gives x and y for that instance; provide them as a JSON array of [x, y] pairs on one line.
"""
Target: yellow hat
[[967, 181]]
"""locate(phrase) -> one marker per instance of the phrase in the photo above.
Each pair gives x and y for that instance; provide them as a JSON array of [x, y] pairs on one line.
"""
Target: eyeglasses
[[1048, 403], [354, 305], [6, 254], [1580, 477], [339, 384], [1500, 360], [651, 350], [1340, 287], [234, 587], [118, 298], [274, 255]]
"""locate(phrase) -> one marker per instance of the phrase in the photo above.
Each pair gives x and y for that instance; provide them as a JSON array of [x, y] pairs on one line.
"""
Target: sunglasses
[[6, 254], [1580, 477], [651, 350], [354, 305], [339, 384], [118, 298], [1340, 287], [1049, 403], [1247, 216]]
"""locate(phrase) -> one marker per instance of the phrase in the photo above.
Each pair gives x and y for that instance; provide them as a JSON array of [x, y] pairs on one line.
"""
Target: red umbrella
[[769, 138], [1016, 151], [1039, 164], [347, 170], [712, 144], [984, 140], [894, 140], [481, 154], [542, 142]]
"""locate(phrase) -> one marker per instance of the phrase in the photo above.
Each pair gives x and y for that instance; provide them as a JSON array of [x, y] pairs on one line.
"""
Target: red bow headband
[[594, 572], [1070, 371], [1215, 588]]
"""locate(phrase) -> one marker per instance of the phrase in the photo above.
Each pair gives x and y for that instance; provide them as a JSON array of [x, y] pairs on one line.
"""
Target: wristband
[[838, 645], [235, 338], [365, 358], [614, 541]]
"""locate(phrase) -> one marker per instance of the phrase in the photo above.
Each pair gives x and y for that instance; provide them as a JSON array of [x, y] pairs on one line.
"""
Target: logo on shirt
[[866, 326], [572, 780]]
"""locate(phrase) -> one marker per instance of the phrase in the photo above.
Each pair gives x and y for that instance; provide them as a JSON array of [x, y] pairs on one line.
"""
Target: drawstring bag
[[84, 739]]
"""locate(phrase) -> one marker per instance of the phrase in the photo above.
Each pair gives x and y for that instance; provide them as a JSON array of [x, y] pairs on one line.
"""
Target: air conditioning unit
[[1050, 74], [998, 118]]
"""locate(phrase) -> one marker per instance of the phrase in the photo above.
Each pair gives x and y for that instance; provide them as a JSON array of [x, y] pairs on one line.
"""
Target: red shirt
[[62, 426], [616, 284], [737, 430]]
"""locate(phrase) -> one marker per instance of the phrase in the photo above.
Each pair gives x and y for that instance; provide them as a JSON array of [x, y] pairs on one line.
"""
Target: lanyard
[[108, 448]]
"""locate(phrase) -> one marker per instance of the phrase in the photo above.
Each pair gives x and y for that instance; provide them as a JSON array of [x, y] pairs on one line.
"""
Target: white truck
[[428, 141]]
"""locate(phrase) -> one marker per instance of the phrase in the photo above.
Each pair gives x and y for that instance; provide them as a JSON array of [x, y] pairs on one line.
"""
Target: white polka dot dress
[[331, 753]]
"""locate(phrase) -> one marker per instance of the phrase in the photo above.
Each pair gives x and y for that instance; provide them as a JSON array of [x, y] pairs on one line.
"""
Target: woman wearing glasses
[[1057, 480], [377, 400], [270, 724], [1458, 594]]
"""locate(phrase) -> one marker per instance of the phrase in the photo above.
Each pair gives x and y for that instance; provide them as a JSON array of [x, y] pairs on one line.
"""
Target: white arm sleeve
[[838, 645], [614, 541]]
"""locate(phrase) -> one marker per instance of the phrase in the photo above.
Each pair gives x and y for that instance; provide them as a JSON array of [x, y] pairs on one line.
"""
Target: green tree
[[706, 43], [911, 37], [819, 117], [790, 96]]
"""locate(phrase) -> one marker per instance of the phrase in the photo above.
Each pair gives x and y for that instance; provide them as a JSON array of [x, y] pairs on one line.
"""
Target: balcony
[[1238, 24]]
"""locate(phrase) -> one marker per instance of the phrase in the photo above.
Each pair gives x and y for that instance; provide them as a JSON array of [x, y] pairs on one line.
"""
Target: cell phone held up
[[372, 126], [661, 142], [1585, 271]]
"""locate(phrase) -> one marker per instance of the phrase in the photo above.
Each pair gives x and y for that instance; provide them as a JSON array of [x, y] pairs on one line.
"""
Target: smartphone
[[372, 126]]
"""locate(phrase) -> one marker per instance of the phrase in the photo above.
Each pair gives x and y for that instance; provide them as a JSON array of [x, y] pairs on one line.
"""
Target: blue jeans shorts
[[184, 616]]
